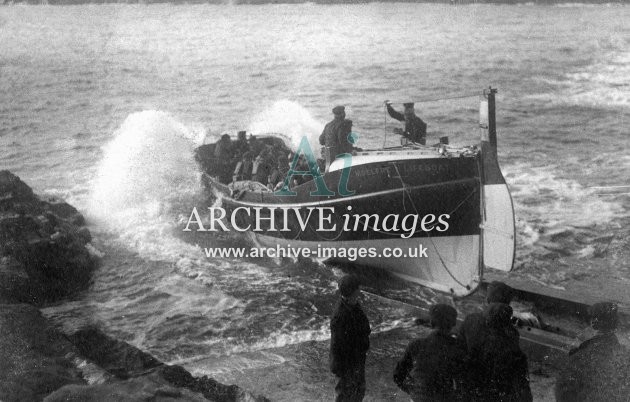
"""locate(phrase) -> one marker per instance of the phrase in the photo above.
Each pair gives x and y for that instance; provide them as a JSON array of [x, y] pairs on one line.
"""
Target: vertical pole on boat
[[492, 119], [498, 229]]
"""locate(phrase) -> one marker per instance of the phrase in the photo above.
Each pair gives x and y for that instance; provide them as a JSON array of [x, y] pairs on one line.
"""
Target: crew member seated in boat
[[240, 146], [432, 368], [415, 129], [279, 173], [335, 135], [255, 146], [263, 165], [244, 168], [599, 369], [223, 152]]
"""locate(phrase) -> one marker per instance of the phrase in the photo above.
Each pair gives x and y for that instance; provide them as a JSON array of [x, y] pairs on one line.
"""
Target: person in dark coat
[[432, 368], [223, 153], [335, 135], [415, 129], [263, 165], [503, 365], [349, 342], [279, 173], [244, 168], [474, 331], [240, 145], [599, 369]]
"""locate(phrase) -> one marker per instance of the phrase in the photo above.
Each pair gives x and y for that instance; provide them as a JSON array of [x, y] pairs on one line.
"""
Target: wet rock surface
[[45, 257], [43, 242], [124, 361], [33, 359]]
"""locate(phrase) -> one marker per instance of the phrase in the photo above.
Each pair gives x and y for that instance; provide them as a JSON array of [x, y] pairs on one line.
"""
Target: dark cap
[[339, 110], [498, 315], [499, 292], [443, 316], [348, 284], [408, 105], [604, 316]]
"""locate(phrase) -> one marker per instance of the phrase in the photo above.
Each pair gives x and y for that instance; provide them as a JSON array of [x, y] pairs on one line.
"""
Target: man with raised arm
[[415, 128]]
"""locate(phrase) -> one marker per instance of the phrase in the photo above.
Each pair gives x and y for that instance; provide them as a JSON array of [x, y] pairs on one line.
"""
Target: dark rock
[[146, 388], [125, 361], [45, 241], [32, 355], [117, 357]]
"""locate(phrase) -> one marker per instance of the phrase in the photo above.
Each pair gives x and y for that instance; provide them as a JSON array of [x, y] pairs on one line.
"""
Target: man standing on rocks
[[432, 368], [599, 369], [349, 342], [473, 333]]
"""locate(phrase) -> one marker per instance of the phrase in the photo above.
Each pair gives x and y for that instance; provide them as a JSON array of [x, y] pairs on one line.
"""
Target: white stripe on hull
[[451, 264]]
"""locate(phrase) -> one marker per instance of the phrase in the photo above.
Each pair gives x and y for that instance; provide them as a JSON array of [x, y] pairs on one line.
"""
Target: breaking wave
[[290, 119], [144, 181]]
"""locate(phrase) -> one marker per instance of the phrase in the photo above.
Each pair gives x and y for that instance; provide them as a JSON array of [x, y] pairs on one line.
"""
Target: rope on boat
[[461, 96], [448, 271]]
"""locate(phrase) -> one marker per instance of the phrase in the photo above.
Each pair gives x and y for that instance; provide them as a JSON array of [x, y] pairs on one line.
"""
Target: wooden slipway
[[572, 302], [543, 346]]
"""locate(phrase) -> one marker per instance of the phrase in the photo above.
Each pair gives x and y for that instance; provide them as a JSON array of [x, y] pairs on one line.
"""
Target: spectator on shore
[[432, 368], [599, 369], [349, 342], [503, 370], [474, 331], [474, 328]]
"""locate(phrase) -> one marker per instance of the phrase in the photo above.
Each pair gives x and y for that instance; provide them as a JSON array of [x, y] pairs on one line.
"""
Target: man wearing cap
[[432, 368], [503, 372], [599, 369], [349, 342], [474, 331], [415, 128], [335, 135]]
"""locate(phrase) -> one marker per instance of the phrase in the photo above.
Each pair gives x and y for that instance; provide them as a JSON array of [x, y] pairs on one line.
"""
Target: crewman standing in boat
[[349, 342], [335, 135], [415, 129]]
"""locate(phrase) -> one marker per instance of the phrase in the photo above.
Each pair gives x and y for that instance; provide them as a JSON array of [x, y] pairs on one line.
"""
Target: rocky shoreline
[[46, 257]]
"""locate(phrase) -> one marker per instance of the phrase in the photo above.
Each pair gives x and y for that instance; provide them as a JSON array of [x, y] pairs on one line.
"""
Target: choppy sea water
[[103, 105]]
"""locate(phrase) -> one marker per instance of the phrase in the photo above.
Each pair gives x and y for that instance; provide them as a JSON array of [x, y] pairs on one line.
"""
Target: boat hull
[[426, 208]]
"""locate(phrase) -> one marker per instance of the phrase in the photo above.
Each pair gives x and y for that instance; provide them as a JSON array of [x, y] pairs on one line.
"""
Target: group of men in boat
[[251, 159], [481, 361]]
